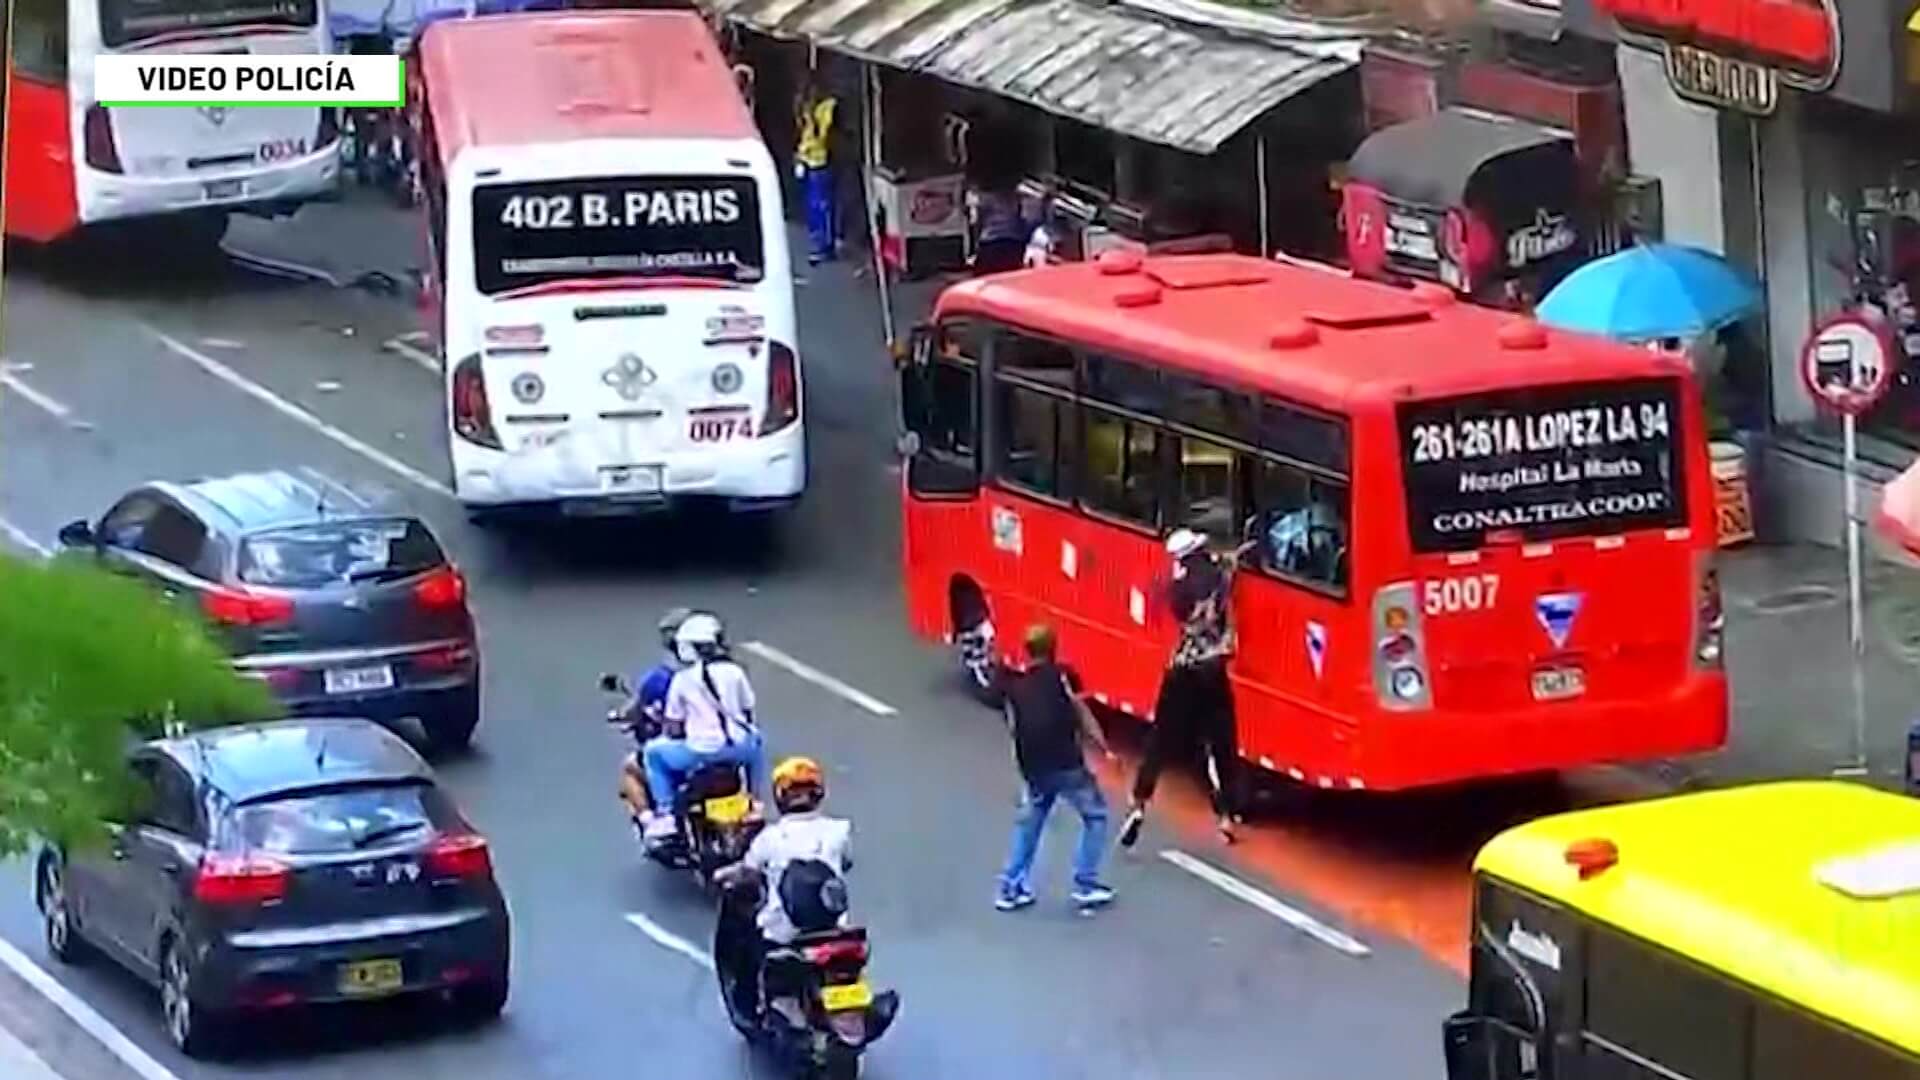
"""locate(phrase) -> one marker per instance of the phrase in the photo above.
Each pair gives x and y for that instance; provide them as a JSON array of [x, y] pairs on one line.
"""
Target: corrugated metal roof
[[1156, 73]]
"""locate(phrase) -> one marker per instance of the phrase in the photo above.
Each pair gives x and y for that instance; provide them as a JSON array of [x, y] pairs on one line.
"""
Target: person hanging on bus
[[1195, 704], [814, 154]]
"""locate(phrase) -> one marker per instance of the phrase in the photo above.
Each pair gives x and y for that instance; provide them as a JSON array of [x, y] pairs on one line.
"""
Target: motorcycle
[[717, 816], [817, 1014]]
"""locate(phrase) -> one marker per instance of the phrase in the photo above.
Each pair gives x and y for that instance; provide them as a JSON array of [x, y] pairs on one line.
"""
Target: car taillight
[[472, 416], [329, 129], [102, 154], [442, 588], [240, 879], [783, 389], [1399, 660], [834, 951], [241, 607], [1709, 618], [460, 856]]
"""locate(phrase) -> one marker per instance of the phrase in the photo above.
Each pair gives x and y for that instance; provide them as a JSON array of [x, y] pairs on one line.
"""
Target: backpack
[[813, 894]]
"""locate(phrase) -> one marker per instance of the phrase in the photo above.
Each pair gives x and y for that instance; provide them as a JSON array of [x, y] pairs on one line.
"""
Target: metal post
[[1856, 632], [870, 152], [1260, 181]]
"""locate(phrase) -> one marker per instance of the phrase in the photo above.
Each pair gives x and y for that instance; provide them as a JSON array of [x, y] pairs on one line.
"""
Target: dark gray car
[[290, 863], [342, 609]]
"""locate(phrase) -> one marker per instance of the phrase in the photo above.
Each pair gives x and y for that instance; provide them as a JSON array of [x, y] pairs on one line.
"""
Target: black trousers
[[1194, 713]]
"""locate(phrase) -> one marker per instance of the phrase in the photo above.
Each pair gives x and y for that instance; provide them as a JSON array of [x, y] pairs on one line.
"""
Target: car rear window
[[337, 552], [339, 820]]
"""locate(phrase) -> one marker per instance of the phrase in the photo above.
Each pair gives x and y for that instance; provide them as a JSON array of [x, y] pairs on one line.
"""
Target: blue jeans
[[1078, 787], [821, 226], [668, 760]]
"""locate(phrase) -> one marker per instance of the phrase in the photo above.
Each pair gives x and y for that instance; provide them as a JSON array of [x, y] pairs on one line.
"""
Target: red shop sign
[[1798, 37]]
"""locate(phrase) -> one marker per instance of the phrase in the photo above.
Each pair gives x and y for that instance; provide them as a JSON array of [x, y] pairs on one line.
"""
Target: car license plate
[[841, 998], [359, 680], [370, 978], [630, 480], [225, 189], [1554, 683], [726, 811]]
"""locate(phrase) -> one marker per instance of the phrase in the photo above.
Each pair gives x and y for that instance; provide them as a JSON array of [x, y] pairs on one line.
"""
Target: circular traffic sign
[[1847, 363]]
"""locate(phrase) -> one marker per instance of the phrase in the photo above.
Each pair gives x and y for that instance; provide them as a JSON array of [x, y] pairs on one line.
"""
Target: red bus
[[1480, 547]]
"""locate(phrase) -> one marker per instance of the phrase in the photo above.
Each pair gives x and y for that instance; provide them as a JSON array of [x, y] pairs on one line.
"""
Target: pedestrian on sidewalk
[[813, 160], [1195, 706], [1049, 718]]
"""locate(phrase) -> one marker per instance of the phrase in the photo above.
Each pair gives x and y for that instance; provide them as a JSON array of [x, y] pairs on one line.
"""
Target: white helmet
[[1185, 542], [700, 636]]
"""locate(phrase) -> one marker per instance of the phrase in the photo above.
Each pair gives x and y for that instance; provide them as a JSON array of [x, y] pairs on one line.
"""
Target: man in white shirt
[[711, 703]]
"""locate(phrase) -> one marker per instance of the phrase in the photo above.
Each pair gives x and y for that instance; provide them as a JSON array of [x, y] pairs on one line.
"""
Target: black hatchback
[[297, 862], [340, 608]]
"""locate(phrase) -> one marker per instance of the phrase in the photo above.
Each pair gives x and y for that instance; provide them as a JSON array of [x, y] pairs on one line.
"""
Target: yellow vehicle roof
[[1732, 880]]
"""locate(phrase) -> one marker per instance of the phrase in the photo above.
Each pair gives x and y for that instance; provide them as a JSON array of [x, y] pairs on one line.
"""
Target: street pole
[[1856, 631], [870, 153]]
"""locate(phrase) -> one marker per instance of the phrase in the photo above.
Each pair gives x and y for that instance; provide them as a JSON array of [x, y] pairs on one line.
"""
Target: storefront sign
[[1722, 81], [1547, 236]]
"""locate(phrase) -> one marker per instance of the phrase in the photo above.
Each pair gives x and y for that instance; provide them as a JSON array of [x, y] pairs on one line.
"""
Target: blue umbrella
[[1651, 291]]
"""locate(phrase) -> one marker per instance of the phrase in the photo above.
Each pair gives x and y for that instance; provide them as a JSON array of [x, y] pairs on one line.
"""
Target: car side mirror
[[78, 534]]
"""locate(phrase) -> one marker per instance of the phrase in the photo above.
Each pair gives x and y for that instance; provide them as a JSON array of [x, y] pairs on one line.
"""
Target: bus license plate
[[225, 189], [630, 480], [726, 811], [359, 680], [1555, 683], [841, 998], [371, 978]]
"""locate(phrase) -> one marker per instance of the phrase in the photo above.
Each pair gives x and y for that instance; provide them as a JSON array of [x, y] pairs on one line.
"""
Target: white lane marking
[[413, 352], [23, 538], [34, 397], [287, 408], [670, 940], [1293, 917], [820, 678], [83, 1014]]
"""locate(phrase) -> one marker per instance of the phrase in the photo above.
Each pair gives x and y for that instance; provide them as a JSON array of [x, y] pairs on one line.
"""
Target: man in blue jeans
[[1049, 719]]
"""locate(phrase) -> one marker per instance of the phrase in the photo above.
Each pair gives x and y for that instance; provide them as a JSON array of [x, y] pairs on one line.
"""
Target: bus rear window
[[610, 227], [1541, 462], [125, 21]]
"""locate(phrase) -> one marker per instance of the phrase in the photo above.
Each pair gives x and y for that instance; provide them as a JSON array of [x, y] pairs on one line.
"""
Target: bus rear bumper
[[114, 197], [756, 477]]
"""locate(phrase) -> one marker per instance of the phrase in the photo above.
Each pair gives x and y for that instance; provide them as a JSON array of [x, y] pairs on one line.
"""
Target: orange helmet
[[798, 782]]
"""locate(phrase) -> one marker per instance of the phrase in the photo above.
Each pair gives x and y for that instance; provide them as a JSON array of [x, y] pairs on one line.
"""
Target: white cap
[[1185, 542]]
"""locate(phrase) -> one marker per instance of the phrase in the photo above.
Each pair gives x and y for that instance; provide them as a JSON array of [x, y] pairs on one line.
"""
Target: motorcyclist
[[710, 703], [645, 717], [802, 834]]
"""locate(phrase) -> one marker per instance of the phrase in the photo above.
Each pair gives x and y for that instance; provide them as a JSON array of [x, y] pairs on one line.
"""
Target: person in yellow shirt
[[814, 164]]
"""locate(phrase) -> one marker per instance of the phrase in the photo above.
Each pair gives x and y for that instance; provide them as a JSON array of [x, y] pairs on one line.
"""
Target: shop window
[[1790, 1044], [40, 40], [1301, 527], [1122, 468], [1206, 482], [1646, 1005], [1036, 441]]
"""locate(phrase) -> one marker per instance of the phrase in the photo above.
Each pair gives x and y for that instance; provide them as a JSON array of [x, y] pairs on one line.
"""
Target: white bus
[[611, 292], [72, 162]]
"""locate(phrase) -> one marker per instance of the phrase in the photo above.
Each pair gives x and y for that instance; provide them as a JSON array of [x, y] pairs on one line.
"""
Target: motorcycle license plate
[[728, 810], [370, 978], [841, 998], [1557, 683]]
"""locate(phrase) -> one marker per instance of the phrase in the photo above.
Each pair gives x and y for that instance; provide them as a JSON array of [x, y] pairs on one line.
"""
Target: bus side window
[[941, 407], [1036, 426], [1122, 467], [40, 40], [1789, 1043], [1645, 1006], [1206, 483], [1301, 524]]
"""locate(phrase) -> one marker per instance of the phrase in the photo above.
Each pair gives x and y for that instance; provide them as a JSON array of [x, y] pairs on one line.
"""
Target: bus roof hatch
[[1361, 309]]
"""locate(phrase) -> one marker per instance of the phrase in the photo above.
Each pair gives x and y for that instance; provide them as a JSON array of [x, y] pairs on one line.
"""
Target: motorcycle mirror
[[908, 444], [610, 683]]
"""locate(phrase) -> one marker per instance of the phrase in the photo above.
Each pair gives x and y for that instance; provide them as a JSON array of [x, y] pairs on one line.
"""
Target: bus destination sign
[[1590, 459]]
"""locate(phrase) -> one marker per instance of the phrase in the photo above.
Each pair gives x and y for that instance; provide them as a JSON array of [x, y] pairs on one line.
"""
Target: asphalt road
[[173, 371]]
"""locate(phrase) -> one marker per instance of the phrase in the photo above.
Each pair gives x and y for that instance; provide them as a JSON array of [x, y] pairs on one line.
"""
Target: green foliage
[[90, 662]]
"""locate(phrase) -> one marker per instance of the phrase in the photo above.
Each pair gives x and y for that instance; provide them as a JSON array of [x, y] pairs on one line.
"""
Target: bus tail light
[[1399, 660], [1709, 616], [472, 416], [783, 389], [102, 154]]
